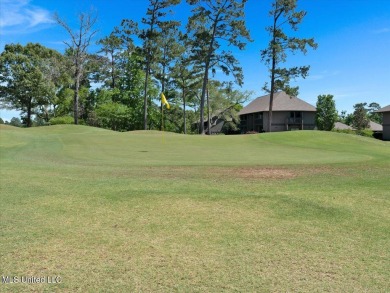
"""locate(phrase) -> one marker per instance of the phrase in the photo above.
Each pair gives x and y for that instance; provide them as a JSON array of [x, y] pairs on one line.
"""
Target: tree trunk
[[162, 90], [201, 108], [184, 111], [271, 97], [113, 84], [206, 75], [28, 122], [76, 97], [208, 111], [75, 106], [146, 97]]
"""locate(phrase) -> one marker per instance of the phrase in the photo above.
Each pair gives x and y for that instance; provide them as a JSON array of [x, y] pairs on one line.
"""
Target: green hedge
[[61, 120], [365, 132]]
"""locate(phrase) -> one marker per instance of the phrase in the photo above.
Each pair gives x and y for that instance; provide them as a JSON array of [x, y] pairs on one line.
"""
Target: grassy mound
[[151, 211]]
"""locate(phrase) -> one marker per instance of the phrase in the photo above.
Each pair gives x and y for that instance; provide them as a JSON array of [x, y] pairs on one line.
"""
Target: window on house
[[295, 114], [259, 116]]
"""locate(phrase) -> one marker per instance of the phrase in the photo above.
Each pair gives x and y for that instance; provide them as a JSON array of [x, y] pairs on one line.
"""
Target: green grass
[[299, 211]]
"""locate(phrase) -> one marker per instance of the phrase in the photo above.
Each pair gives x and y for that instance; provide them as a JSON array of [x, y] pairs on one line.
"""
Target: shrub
[[364, 132], [61, 120]]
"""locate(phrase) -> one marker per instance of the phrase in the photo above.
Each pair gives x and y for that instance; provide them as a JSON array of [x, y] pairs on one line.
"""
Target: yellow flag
[[164, 101]]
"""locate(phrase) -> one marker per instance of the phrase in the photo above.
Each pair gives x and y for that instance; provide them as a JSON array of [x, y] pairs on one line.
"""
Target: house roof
[[217, 128], [342, 126], [281, 102], [375, 126], [384, 109]]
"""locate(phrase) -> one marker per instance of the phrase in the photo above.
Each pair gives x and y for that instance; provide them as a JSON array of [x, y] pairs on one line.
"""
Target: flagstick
[[162, 123]]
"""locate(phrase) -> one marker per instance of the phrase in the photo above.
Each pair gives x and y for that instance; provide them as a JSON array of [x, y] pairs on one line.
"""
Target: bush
[[230, 127], [364, 132], [61, 120], [114, 116]]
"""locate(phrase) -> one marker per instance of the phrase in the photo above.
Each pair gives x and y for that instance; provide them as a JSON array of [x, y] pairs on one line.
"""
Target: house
[[375, 126], [342, 126], [288, 113], [216, 123], [385, 122], [221, 121]]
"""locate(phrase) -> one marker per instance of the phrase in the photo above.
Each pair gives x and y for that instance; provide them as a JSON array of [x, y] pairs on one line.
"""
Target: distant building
[[385, 122], [342, 126], [217, 122], [288, 113], [375, 126]]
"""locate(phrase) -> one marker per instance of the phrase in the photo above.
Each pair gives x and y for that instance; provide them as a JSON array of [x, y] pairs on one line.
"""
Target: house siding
[[386, 125], [309, 120], [258, 122], [251, 122]]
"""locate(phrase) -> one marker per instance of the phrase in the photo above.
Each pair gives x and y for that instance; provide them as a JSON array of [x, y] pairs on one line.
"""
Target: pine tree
[[215, 22], [284, 12]]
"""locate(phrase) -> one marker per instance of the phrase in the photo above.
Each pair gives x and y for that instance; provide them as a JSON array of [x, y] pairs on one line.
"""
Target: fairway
[[300, 211]]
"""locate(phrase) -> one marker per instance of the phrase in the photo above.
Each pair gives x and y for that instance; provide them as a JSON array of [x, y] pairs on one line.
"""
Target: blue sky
[[352, 61]]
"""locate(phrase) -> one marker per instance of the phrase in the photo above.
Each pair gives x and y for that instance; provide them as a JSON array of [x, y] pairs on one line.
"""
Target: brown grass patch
[[264, 173], [251, 173], [228, 173]]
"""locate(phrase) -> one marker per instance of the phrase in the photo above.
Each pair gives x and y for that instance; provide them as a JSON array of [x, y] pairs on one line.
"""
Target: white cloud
[[323, 75], [382, 31], [17, 16]]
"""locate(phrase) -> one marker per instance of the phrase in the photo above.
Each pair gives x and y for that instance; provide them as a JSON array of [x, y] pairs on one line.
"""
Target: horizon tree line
[[175, 59]]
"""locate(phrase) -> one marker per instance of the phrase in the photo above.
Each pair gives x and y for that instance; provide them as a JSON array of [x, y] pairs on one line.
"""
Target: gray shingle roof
[[282, 102], [384, 109], [375, 126], [342, 126]]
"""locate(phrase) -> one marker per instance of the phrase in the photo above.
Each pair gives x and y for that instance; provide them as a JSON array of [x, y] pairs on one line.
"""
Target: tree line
[[118, 86]]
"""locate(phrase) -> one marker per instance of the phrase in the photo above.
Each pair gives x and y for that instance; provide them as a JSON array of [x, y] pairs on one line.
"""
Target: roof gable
[[384, 109], [281, 102], [375, 126], [342, 126]]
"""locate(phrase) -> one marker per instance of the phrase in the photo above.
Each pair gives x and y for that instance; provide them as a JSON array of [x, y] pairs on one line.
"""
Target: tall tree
[[78, 46], [153, 22], [188, 79], [360, 120], [112, 48], [29, 77], [212, 23], [326, 114], [284, 13], [170, 48], [169, 51], [372, 115]]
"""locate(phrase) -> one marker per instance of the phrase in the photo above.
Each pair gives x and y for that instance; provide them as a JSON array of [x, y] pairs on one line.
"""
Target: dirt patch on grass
[[260, 173], [216, 173], [224, 172]]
